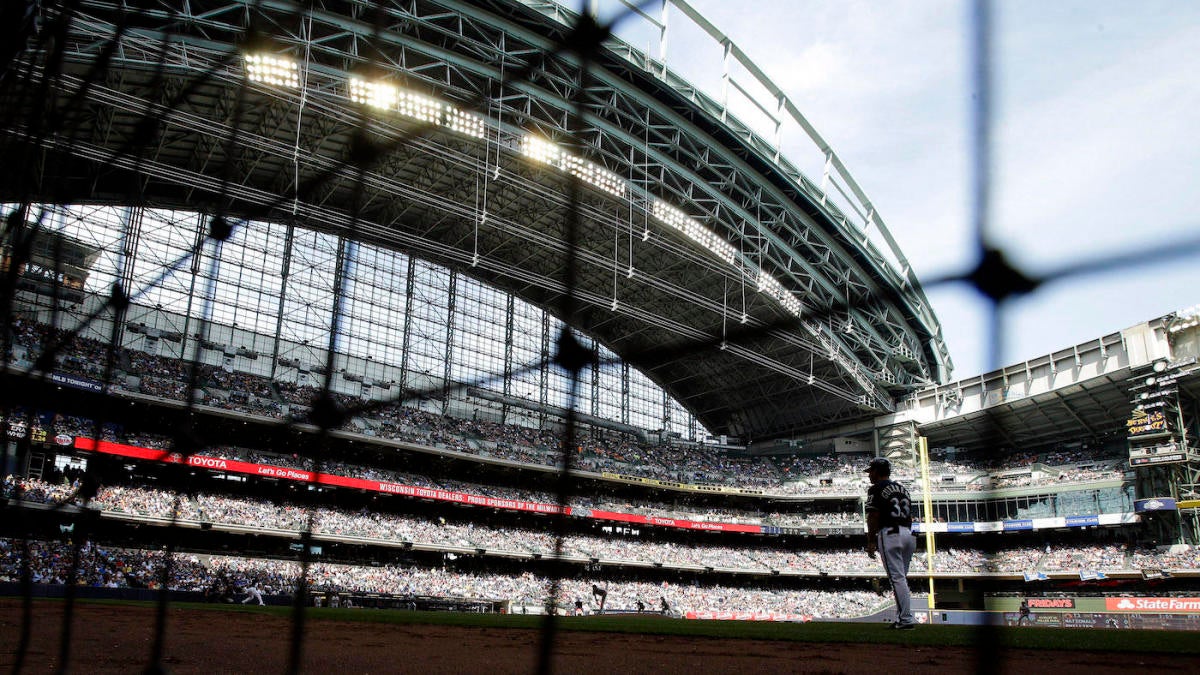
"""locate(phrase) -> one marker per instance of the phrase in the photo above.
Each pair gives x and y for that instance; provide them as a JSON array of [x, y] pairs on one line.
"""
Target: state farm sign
[[1152, 604]]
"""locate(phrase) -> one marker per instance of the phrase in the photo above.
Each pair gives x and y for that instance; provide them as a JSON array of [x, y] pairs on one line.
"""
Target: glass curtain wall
[[270, 288]]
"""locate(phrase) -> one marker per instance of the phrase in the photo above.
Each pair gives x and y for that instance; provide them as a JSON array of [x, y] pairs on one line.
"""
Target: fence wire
[[44, 109]]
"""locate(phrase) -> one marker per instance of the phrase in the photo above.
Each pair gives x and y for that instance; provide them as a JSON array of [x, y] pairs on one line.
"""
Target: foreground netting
[[365, 129]]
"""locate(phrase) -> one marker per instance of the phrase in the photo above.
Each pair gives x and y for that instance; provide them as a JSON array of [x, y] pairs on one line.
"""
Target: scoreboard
[[1170, 453], [1152, 440]]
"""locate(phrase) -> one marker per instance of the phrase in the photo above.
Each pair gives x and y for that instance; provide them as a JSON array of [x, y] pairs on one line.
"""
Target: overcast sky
[[1096, 143]]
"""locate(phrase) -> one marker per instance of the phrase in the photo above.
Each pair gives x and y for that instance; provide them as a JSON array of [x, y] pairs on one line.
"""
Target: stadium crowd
[[824, 514], [1096, 557], [680, 508], [599, 451], [438, 533], [101, 566]]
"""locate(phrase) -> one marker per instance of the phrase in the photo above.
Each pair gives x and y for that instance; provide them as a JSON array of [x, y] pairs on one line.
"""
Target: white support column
[[825, 176], [781, 100], [725, 80], [662, 39]]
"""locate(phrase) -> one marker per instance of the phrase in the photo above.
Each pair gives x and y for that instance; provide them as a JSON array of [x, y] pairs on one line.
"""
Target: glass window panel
[[308, 304], [249, 290]]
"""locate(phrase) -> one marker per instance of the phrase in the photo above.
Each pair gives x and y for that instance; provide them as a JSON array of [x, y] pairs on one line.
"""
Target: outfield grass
[[1075, 639]]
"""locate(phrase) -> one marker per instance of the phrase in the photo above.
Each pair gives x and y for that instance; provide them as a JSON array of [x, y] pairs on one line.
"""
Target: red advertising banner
[[1051, 603], [639, 519], [235, 466], [267, 471], [748, 616], [1155, 605]]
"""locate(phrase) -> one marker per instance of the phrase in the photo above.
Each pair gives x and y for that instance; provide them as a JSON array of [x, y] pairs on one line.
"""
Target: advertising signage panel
[[1154, 605], [300, 475]]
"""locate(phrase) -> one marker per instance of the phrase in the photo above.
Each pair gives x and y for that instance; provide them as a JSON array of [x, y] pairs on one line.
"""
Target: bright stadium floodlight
[[591, 173], [1185, 319], [375, 94], [544, 151], [771, 286], [465, 123], [672, 216], [541, 150], [432, 111], [420, 108], [272, 69]]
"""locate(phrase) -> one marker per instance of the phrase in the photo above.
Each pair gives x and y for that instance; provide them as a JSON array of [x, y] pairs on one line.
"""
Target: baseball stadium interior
[[284, 308]]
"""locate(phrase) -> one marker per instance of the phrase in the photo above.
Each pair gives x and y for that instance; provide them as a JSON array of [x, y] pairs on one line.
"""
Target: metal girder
[[654, 132], [565, 91], [706, 159], [564, 87]]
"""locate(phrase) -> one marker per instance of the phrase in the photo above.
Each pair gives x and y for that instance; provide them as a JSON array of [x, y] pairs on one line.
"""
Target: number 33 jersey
[[892, 502]]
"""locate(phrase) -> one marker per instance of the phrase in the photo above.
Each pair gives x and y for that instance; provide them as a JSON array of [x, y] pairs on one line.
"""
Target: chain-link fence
[[162, 130]]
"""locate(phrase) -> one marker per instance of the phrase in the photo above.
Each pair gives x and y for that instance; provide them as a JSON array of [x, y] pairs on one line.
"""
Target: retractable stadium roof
[[700, 255]]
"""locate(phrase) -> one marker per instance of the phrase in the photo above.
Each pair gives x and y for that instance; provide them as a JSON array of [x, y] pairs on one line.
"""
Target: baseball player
[[889, 533], [252, 593], [1025, 615], [599, 595]]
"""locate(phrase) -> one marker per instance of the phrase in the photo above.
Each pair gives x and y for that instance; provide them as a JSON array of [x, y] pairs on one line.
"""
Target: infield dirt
[[117, 639]]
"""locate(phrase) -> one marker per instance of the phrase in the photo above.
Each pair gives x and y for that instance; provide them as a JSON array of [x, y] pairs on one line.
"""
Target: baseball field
[[111, 637]]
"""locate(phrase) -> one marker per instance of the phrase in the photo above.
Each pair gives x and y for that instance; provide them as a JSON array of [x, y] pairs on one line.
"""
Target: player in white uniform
[[252, 593], [889, 532]]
